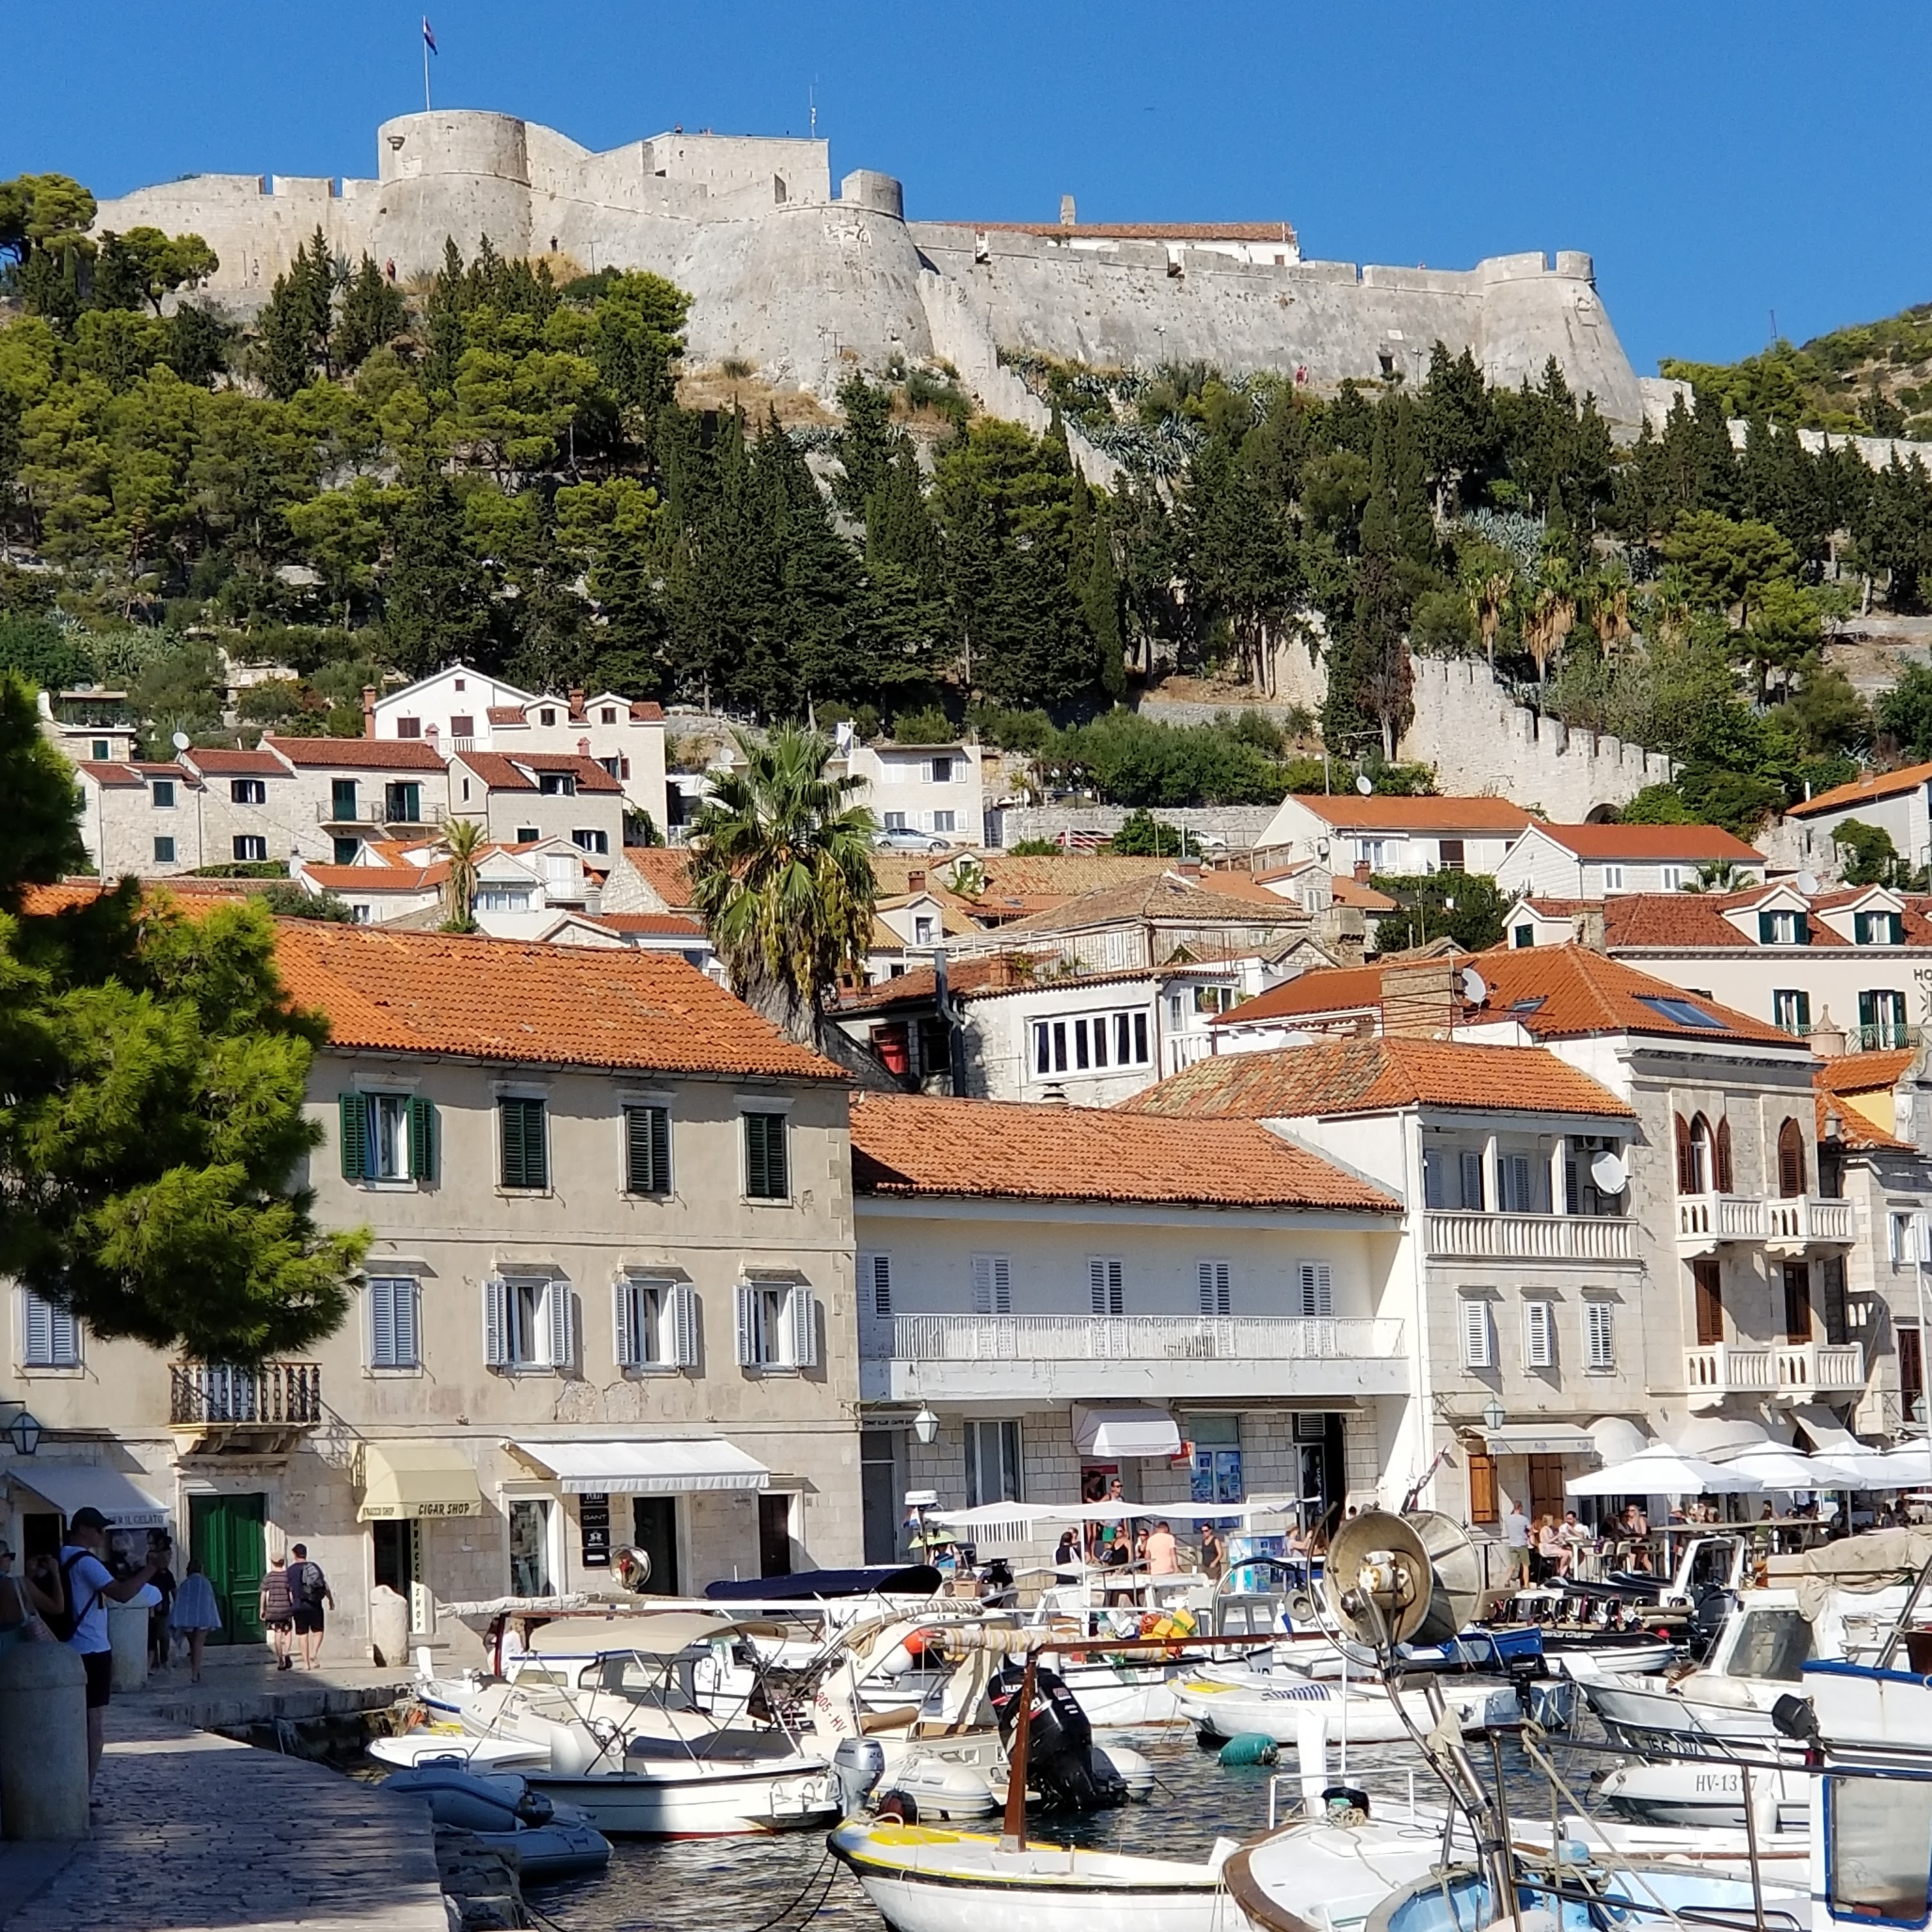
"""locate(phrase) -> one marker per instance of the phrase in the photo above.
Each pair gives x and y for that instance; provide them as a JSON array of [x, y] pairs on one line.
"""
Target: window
[[342, 798], [1783, 928], [526, 1324], [923, 932], [346, 851], [1882, 1020], [1214, 1279], [992, 1285], [1907, 1244], [1449, 854], [1600, 1341], [1435, 1184], [1707, 1284], [247, 791], [942, 774], [766, 1175], [387, 1137], [102, 750], [1670, 878], [530, 1547], [1095, 1040], [945, 821], [250, 848], [502, 898], [1682, 1013], [647, 1150], [1790, 1160], [162, 795], [992, 1463], [521, 1140], [1879, 1834], [49, 1335], [1878, 929], [395, 1324], [1696, 1157], [1837, 1308], [1471, 1166], [557, 784], [1479, 1350], [778, 1326], [875, 1285], [1049, 1046], [655, 1324], [590, 839], [402, 802], [1517, 1191], [1315, 1288], [1373, 853], [527, 835], [1539, 1334], [1911, 1370], [1791, 1012], [1106, 1281], [1797, 1301], [462, 727], [164, 851], [1613, 878], [1523, 937], [608, 716], [895, 821]]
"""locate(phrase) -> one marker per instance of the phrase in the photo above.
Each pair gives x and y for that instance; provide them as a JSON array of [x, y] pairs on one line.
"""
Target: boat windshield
[[1878, 1843], [1770, 1643]]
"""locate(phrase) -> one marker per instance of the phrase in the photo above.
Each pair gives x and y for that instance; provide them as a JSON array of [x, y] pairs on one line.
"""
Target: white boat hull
[[422, 1747], [711, 1803], [1708, 1793], [1220, 1709]]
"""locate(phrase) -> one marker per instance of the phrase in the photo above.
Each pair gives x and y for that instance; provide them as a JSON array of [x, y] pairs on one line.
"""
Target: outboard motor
[[857, 1765], [1060, 1741], [1708, 1614], [996, 1584]]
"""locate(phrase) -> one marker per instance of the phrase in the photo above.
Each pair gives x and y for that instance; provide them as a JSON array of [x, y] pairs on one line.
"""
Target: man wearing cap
[[91, 1587]]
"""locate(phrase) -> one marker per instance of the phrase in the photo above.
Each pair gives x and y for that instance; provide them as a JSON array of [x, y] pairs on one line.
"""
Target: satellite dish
[[1475, 988], [1364, 784], [1469, 1575], [632, 1566], [180, 741], [1608, 1173], [1377, 1579], [1807, 883]]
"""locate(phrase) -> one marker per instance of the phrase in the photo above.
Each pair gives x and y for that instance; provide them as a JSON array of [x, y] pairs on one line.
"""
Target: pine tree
[[435, 607], [293, 333], [866, 447], [373, 315]]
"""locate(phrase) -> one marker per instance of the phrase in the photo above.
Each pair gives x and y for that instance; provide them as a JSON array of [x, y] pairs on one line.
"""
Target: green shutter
[[1765, 929], [647, 1150], [765, 1176], [355, 1136], [523, 1130], [422, 1139], [1802, 924]]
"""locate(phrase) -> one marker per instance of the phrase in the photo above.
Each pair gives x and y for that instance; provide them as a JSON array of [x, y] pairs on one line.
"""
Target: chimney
[[1187, 868], [1344, 932], [1419, 999], [1827, 1038], [1586, 928], [916, 880], [368, 711], [1361, 871], [1066, 217]]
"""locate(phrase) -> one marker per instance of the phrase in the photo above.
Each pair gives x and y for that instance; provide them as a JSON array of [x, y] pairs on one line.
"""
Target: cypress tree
[[435, 607]]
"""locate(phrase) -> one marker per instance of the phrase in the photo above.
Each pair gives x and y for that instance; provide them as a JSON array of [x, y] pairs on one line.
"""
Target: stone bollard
[[388, 1626], [127, 1632], [43, 1742]]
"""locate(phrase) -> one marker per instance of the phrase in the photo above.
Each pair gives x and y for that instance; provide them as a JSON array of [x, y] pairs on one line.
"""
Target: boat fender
[[901, 1805], [1250, 1747], [1345, 1805]]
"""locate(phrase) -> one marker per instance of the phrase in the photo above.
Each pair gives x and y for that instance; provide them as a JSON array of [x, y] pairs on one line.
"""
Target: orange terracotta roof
[[532, 1004], [1855, 1131], [1347, 892], [1697, 844], [111, 773], [904, 1144], [504, 714], [1342, 989], [1063, 875], [1864, 1072], [340, 879], [1161, 897], [502, 772], [1348, 810], [377, 754], [1672, 921], [673, 924], [1375, 1075], [966, 979], [1240, 885], [1562, 992], [1842, 1083], [666, 869], [1863, 791], [225, 762], [646, 710]]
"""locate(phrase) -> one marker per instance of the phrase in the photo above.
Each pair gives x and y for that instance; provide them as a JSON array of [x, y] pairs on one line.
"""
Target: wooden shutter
[[1837, 1316], [1572, 1188], [647, 1150], [405, 1302], [1003, 1285], [1216, 1298], [497, 1323], [804, 1327], [684, 1325], [556, 1324], [1482, 1486], [627, 1323], [1472, 1182], [41, 1320], [354, 1111], [1316, 1281], [1599, 1340], [422, 1138], [1539, 1335], [1686, 1159], [1477, 1353], [1721, 1153], [523, 1134], [1798, 1301], [765, 1177], [1435, 1194], [1790, 1160], [1710, 1302], [747, 1325], [992, 1285]]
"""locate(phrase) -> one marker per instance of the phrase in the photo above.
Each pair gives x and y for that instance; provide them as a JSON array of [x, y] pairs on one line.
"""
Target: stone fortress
[[804, 284]]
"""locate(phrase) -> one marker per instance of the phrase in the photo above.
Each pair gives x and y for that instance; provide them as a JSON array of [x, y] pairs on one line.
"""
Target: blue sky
[[1719, 162]]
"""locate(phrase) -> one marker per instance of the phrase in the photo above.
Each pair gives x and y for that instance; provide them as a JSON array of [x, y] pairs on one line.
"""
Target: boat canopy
[[915, 1579], [660, 1633], [1867, 1564]]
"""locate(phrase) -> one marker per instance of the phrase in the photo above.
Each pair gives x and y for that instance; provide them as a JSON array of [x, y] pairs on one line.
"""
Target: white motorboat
[[1708, 1792], [436, 1743], [1233, 1702]]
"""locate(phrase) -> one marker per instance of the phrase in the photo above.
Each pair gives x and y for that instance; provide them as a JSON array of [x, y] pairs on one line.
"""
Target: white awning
[[1826, 1432], [1533, 1439], [74, 1486], [405, 1482], [661, 1466], [1114, 1434]]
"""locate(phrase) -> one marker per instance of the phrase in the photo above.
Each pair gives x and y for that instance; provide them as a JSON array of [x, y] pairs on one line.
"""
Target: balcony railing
[[1800, 1220], [1794, 1222], [1532, 1238], [1707, 1218], [219, 1395], [1792, 1368], [373, 812], [1880, 1037], [1729, 1368], [1803, 1366]]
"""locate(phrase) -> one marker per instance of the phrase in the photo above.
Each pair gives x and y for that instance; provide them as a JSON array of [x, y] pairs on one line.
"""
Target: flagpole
[[425, 73]]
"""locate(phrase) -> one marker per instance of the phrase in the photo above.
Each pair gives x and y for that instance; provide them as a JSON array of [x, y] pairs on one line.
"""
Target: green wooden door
[[225, 1533]]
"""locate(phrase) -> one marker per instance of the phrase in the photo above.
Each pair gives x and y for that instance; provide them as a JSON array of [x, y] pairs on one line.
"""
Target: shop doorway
[[225, 1533], [1545, 1488], [530, 1572], [775, 1534], [882, 1488], [1106, 1482], [654, 1531]]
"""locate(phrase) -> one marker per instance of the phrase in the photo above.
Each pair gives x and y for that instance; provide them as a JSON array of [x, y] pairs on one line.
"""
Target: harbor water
[[737, 1884]]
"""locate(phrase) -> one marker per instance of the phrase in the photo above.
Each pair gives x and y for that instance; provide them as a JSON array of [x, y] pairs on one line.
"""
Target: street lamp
[[24, 1431], [1494, 1415], [925, 1425]]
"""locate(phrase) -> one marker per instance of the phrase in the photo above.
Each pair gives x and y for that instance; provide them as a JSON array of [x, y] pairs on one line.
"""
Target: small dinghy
[[548, 1840]]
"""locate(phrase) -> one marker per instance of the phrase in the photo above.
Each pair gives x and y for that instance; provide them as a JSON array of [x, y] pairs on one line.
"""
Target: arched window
[[1720, 1170], [1695, 1167], [1686, 1159], [1790, 1160]]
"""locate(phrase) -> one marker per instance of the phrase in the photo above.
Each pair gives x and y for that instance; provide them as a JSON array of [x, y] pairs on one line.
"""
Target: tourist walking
[[278, 1609], [1516, 1540], [308, 1591], [195, 1613], [160, 1638], [83, 1586]]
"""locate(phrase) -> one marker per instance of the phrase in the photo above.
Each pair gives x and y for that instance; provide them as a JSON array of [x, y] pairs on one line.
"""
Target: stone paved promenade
[[196, 1833]]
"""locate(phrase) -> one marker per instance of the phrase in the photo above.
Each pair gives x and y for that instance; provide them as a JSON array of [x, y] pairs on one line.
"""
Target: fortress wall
[[1525, 320], [457, 143]]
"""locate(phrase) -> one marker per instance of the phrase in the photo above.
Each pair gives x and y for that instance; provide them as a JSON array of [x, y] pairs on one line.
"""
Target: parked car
[[903, 838]]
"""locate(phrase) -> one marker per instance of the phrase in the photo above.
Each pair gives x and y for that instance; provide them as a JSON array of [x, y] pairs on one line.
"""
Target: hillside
[[1872, 379]]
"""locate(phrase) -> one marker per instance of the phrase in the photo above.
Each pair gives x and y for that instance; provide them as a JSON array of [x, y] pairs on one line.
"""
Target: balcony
[[1880, 1038], [1803, 1221], [1531, 1237], [219, 1408], [1791, 1371], [1703, 1220], [365, 812], [1073, 1358]]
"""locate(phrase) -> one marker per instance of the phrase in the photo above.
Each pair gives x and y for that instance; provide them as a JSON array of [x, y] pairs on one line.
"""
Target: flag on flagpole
[[429, 38]]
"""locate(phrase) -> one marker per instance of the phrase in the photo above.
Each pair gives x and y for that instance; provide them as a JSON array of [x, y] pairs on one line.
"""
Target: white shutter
[[1003, 1285], [1599, 1334], [1212, 1280], [497, 1323], [382, 1324], [556, 1324], [39, 1327], [684, 1325], [1315, 1283], [403, 1305], [881, 1267], [624, 1311], [1107, 1283], [982, 1284], [1539, 1337], [1477, 1353], [747, 1329], [804, 1328]]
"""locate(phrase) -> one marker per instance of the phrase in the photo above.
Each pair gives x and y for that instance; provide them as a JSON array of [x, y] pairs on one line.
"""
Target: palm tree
[[461, 844], [1719, 875], [781, 873]]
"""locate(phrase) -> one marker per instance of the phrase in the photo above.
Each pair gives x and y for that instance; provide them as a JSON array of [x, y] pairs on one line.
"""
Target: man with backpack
[[83, 1586], [308, 1591]]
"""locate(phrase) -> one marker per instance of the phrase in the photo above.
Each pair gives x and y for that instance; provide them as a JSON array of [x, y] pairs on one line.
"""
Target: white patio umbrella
[[1859, 1468], [1661, 1471], [1777, 1467]]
